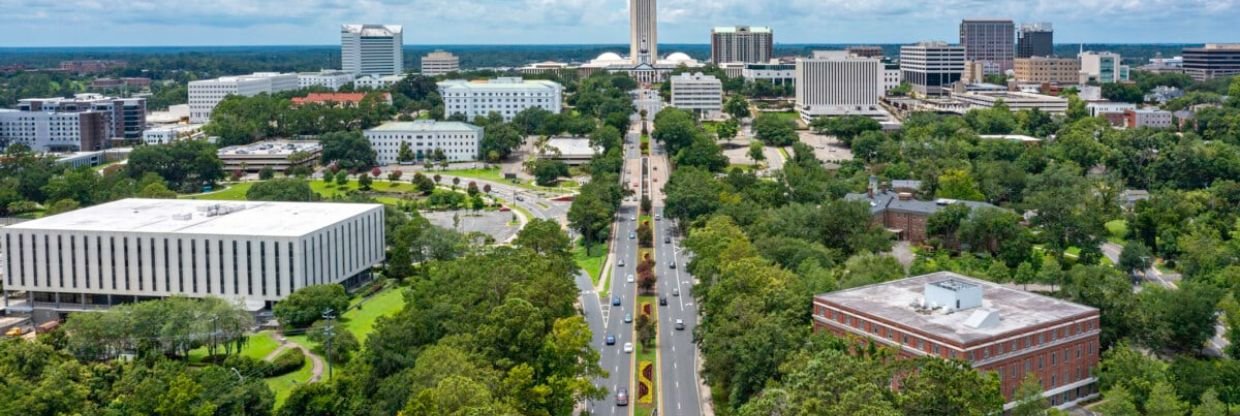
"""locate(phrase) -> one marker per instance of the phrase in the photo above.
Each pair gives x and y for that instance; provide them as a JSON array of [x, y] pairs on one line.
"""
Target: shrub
[[290, 360]]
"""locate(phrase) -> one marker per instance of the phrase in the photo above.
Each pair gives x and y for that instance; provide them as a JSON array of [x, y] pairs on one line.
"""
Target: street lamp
[[329, 332]]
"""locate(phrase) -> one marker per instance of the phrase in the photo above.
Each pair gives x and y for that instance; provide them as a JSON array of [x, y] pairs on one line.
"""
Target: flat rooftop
[[425, 126], [271, 148], [895, 302], [194, 217], [573, 147]]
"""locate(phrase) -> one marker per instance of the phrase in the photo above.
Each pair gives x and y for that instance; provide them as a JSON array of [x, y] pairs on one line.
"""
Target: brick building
[[997, 329], [902, 213]]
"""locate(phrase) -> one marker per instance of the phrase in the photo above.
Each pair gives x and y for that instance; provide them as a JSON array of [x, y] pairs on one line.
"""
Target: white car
[[628, 347], [629, 279]]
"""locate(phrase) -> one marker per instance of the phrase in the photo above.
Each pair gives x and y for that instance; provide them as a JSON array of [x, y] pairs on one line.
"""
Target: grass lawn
[[257, 347], [234, 192], [593, 262], [361, 321], [1117, 232], [606, 285], [492, 175], [711, 127], [784, 152], [283, 385], [649, 355]]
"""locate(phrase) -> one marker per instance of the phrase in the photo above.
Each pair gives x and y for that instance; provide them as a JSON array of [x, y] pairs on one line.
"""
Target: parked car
[[632, 235], [611, 340]]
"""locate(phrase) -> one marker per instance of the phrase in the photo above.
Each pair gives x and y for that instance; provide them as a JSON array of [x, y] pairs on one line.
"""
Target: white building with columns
[[254, 253], [506, 96]]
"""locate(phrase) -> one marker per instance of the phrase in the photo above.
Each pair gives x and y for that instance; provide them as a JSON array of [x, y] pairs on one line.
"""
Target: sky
[[41, 23]]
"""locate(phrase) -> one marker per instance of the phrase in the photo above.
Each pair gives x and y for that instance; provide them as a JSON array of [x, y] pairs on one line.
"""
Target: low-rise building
[[1016, 101], [573, 151], [1098, 108], [996, 329], [205, 94], [697, 92], [1148, 117], [439, 63], [279, 155], [1162, 94], [328, 78], [426, 139], [1044, 69], [505, 96], [902, 214], [376, 82], [775, 73], [171, 133], [253, 253], [339, 99], [1102, 67]]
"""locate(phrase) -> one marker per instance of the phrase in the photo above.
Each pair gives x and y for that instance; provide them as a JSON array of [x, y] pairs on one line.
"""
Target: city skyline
[[445, 22]]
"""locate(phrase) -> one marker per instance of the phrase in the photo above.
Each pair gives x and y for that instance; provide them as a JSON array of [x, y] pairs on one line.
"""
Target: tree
[[186, 164], [405, 154], [548, 172], [342, 178], [157, 190], [737, 107], [1029, 399], [423, 184], [943, 387], [306, 305], [394, 176], [1136, 256], [336, 341], [364, 181], [704, 153], [348, 150], [1164, 402], [945, 223], [1118, 402], [61, 206], [543, 236], [645, 330], [864, 269], [774, 130], [845, 128], [756, 151], [691, 193], [267, 173], [958, 184], [1210, 405], [728, 130], [282, 189], [675, 128]]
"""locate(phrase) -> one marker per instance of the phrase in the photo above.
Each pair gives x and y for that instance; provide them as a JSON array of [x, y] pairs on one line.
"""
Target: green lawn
[[784, 152], [283, 385], [650, 355], [492, 175], [592, 263], [1117, 232], [257, 347], [606, 285], [234, 192], [361, 321]]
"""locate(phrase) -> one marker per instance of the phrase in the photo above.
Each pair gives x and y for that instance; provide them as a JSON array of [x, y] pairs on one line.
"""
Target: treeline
[[605, 97], [243, 120]]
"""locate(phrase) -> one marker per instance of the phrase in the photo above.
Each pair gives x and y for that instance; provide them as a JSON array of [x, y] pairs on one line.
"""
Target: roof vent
[[983, 319]]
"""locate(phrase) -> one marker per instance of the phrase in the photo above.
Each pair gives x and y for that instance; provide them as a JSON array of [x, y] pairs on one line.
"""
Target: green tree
[[61, 206], [424, 184], [347, 149], [1118, 402], [266, 174], [774, 130], [282, 189], [737, 107], [703, 153], [364, 182], [1210, 405], [548, 172], [342, 178], [336, 341], [943, 387], [865, 269], [157, 190], [1029, 399], [1135, 257], [1164, 402], [186, 165], [691, 193], [756, 151], [405, 154], [845, 128], [543, 236], [728, 130], [958, 184], [306, 305], [675, 128]]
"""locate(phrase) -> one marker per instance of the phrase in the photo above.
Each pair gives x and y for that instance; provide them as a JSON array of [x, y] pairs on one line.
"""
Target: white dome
[[679, 57], [608, 56]]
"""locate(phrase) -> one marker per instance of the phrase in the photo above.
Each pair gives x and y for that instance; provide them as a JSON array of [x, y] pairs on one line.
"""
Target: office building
[[204, 95], [459, 142], [279, 155], [46, 131], [1044, 69], [171, 133], [1015, 101], [994, 328], [372, 49], [125, 117], [375, 82], [834, 83], [741, 44], [440, 63], [1212, 61], [506, 96], [775, 73], [643, 32], [699, 93], [931, 67], [1035, 39], [990, 42], [253, 253], [875, 52], [1102, 67], [327, 78], [573, 151]]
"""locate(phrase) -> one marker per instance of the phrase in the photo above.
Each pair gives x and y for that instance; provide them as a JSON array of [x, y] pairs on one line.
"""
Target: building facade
[[1102, 67], [204, 95], [1015, 101], [279, 155], [256, 253], [778, 74], [1212, 61], [372, 49], [46, 131], [643, 32], [440, 63], [125, 117], [990, 42], [931, 68], [741, 44], [327, 78], [1035, 39], [697, 92], [1044, 69], [838, 84], [172, 133], [375, 82], [996, 329], [1148, 117], [459, 142], [506, 96]]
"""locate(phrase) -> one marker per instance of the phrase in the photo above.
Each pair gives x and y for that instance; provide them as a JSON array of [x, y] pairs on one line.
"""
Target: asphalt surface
[[609, 319], [678, 353]]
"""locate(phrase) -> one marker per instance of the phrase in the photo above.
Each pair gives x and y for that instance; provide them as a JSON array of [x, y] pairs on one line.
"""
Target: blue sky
[[316, 22]]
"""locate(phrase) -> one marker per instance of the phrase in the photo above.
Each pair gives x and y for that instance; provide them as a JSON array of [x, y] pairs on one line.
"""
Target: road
[[678, 354]]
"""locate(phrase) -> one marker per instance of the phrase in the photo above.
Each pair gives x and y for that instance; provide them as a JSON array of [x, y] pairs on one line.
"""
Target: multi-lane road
[[677, 353]]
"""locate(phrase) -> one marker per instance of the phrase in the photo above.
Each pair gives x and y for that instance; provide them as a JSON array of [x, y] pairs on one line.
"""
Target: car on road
[[662, 300], [680, 324], [632, 235], [658, 217], [675, 291], [628, 347], [620, 263], [615, 301], [611, 340], [622, 397], [520, 199], [629, 279], [667, 240], [628, 317], [671, 265], [633, 218]]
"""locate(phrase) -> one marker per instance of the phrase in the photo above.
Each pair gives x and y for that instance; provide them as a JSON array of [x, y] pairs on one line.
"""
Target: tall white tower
[[372, 49], [643, 32]]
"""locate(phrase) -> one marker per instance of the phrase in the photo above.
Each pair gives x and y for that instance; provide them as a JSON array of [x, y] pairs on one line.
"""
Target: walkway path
[[316, 373]]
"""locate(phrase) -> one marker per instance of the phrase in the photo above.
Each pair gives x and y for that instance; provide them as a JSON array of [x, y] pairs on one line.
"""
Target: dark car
[[615, 301], [663, 301], [667, 240], [622, 397], [611, 340], [671, 265]]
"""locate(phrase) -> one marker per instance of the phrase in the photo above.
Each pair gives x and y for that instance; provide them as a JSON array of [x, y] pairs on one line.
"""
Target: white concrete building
[[204, 95], [52, 131], [506, 96], [1099, 108], [328, 78], [372, 49], [838, 84], [460, 142], [172, 133], [1015, 101], [697, 92], [573, 151], [256, 253], [931, 67], [892, 78], [439, 63], [375, 82], [775, 73], [1102, 67], [643, 32]]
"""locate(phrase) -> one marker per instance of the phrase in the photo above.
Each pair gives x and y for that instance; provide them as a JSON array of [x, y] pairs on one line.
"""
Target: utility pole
[[329, 332]]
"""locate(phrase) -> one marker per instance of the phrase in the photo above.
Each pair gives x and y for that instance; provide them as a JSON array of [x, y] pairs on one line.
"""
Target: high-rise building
[[993, 328], [505, 96], [643, 32], [372, 49], [1043, 69], [125, 117], [1212, 61], [697, 92], [205, 94], [989, 41], [1035, 39], [1102, 67], [459, 142], [741, 44], [835, 83], [252, 253], [439, 63], [50, 131], [931, 67]]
